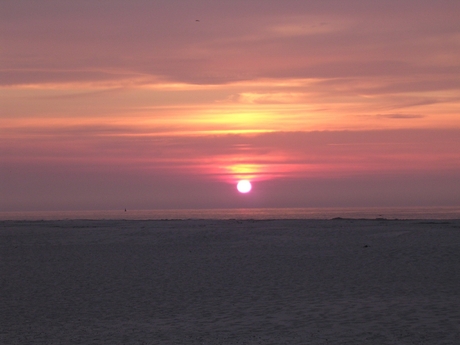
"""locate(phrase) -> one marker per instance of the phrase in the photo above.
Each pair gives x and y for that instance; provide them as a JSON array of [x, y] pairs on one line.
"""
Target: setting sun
[[244, 186]]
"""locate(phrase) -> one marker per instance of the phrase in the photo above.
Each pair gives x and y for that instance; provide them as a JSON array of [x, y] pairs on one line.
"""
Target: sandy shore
[[230, 282]]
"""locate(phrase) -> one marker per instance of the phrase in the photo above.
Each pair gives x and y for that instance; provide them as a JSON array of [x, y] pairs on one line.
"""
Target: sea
[[244, 213]]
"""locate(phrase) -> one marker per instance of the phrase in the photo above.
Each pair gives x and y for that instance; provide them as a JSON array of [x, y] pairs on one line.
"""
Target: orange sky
[[160, 104]]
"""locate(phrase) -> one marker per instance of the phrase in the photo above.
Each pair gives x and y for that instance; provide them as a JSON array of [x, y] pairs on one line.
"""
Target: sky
[[168, 104]]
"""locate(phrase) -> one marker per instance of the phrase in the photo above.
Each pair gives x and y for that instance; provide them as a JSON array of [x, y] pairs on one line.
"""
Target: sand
[[230, 282]]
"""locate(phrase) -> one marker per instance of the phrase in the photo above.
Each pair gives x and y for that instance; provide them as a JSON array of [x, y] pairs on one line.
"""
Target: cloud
[[271, 97], [241, 41], [400, 116], [115, 166], [277, 153]]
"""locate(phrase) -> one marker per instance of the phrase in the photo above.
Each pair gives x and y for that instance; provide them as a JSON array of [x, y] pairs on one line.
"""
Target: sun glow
[[244, 186]]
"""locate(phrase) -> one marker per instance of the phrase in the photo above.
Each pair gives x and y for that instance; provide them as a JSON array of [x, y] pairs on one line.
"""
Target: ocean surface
[[246, 213]]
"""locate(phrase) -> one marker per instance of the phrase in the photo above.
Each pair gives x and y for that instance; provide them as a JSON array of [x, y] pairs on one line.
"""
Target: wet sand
[[230, 282]]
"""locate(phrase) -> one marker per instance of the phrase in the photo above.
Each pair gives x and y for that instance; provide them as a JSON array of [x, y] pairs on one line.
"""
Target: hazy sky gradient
[[167, 104]]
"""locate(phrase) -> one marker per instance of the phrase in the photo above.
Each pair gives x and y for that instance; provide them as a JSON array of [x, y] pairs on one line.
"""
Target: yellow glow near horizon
[[247, 171]]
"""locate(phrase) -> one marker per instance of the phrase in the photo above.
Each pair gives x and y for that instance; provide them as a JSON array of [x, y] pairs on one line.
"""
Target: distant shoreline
[[336, 220], [377, 213]]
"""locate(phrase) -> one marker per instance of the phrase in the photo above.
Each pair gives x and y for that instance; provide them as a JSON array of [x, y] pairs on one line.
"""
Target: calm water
[[249, 213]]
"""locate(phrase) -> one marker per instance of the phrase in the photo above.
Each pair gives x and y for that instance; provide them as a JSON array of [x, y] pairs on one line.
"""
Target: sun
[[244, 186]]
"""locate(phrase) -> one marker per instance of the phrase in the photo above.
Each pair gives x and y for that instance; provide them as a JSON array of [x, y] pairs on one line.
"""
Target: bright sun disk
[[244, 186]]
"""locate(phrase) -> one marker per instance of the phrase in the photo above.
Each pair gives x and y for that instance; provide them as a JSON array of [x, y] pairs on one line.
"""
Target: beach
[[339, 281]]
